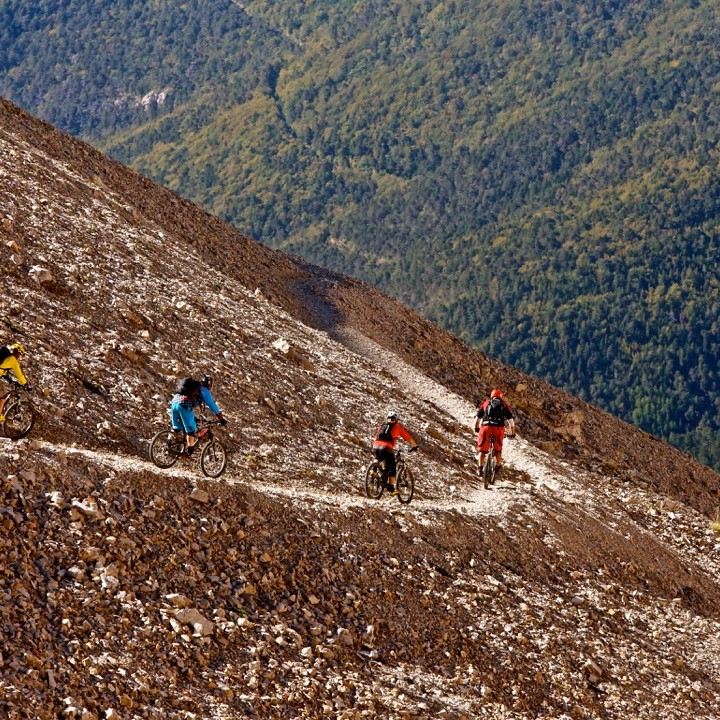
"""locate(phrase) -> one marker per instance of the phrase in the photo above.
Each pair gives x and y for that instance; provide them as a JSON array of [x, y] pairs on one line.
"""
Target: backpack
[[494, 412], [189, 387], [384, 433], [4, 353]]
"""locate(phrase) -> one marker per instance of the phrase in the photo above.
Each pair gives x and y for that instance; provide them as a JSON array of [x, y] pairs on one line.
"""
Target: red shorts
[[488, 431]]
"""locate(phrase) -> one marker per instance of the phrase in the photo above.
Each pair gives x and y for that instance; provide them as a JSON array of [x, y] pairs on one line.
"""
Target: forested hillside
[[539, 177]]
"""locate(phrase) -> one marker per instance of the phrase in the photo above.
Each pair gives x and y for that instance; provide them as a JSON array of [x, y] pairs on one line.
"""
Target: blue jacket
[[203, 397]]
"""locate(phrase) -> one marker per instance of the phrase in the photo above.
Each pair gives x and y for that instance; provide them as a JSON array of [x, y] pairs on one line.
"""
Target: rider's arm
[[11, 363], [405, 435], [480, 413], [509, 419], [209, 401]]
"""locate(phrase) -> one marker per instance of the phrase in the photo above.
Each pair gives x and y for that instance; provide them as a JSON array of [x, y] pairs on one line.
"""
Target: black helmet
[[207, 381]]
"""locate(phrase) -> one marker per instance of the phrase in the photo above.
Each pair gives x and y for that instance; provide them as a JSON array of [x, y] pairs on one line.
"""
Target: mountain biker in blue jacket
[[191, 393]]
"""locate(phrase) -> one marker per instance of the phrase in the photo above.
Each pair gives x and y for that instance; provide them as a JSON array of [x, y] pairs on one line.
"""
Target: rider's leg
[[176, 423], [483, 445], [391, 469], [187, 418], [497, 448], [379, 454]]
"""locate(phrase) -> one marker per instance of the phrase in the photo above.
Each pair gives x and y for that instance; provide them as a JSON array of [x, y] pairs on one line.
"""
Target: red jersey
[[396, 431]]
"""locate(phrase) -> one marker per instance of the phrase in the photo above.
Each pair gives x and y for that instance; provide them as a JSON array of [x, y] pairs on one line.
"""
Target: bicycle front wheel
[[19, 419], [405, 485], [213, 459], [374, 485], [163, 451]]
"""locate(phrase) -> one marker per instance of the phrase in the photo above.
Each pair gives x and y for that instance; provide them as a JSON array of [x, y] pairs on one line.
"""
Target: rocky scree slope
[[583, 586]]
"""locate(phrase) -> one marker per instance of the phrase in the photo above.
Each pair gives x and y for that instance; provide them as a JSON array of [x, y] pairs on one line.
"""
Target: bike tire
[[405, 485], [493, 469], [213, 459], [163, 452], [374, 485], [486, 470], [19, 419]]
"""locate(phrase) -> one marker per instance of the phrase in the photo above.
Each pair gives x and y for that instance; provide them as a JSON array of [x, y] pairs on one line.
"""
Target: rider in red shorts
[[491, 418]]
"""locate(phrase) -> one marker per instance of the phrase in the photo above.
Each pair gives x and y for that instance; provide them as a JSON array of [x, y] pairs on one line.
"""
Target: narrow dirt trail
[[519, 454], [543, 471], [190, 472]]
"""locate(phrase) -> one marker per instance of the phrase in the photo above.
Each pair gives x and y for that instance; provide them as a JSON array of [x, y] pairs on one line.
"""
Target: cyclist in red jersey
[[384, 446], [490, 422]]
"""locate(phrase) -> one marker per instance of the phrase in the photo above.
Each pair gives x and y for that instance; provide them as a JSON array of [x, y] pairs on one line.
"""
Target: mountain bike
[[376, 479], [19, 412], [168, 446], [489, 468]]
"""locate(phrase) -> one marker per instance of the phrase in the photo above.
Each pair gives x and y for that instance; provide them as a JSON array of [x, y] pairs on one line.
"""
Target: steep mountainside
[[540, 178], [585, 585]]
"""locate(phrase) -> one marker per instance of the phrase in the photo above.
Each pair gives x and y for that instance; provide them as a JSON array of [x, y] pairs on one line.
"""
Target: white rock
[[193, 617], [41, 275], [282, 345], [178, 600], [200, 496], [88, 507]]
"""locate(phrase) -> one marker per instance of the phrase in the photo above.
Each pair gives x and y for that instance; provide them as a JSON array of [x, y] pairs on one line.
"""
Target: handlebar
[[398, 451], [209, 422], [16, 383]]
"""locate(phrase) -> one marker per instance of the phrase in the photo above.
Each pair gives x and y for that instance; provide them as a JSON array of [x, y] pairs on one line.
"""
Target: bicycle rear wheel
[[487, 470], [19, 419], [405, 485], [374, 485], [213, 459], [163, 451]]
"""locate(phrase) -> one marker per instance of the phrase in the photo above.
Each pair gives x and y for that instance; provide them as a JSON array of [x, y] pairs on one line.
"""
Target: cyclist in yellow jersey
[[9, 361]]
